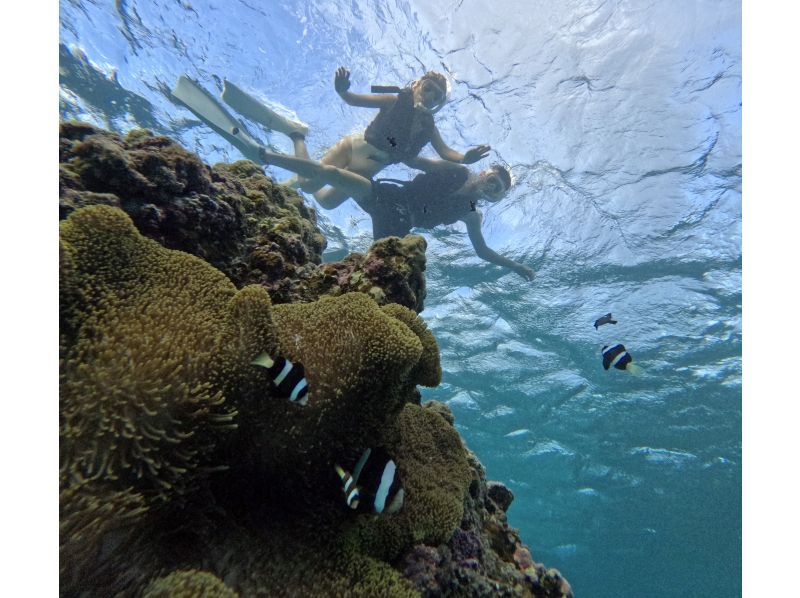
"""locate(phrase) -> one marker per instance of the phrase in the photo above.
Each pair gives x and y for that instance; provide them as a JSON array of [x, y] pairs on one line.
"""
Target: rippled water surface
[[622, 124]]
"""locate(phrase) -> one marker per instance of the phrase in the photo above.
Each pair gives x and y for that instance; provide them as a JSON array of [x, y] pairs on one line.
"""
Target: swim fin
[[248, 106], [211, 112]]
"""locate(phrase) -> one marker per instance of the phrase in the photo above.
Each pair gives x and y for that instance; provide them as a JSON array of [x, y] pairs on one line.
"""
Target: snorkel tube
[[385, 89]]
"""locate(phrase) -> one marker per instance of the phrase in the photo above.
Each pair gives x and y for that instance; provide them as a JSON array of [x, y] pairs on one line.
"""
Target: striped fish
[[288, 377], [380, 489], [617, 356]]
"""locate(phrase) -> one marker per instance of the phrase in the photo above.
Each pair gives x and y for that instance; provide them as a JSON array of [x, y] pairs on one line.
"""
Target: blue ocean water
[[621, 121]]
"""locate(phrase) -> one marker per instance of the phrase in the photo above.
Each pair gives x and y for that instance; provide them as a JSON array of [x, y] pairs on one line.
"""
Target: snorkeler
[[402, 127], [443, 194]]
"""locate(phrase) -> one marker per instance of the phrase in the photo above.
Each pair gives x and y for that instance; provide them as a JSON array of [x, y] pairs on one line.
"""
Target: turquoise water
[[622, 124]]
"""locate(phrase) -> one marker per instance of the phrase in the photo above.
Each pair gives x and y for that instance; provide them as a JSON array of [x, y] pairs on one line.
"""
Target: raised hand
[[524, 271], [472, 155], [341, 82]]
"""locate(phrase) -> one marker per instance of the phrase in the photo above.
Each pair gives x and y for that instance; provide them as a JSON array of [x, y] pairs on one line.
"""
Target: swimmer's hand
[[472, 155], [524, 271], [341, 82]]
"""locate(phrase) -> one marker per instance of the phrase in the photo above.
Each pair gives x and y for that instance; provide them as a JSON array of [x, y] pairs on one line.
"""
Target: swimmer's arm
[[374, 100], [445, 151], [448, 153], [428, 165], [473, 222], [341, 82]]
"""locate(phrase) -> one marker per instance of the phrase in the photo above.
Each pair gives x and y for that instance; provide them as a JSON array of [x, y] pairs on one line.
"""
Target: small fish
[[617, 356], [472, 205], [380, 489], [288, 377], [424, 209], [392, 141], [606, 319]]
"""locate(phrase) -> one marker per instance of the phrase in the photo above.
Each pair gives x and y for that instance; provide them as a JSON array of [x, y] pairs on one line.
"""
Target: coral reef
[[230, 215], [183, 472], [392, 271], [484, 556], [188, 584]]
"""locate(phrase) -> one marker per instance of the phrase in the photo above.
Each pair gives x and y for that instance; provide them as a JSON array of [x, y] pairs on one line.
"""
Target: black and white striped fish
[[379, 490], [288, 377], [618, 357]]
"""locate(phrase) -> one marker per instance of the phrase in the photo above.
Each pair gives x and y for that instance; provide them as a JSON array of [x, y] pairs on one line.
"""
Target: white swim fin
[[211, 112], [248, 106]]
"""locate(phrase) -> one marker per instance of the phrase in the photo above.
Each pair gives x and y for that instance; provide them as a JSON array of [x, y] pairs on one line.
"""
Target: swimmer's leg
[[339, 156], [332, 197], [350, 183]]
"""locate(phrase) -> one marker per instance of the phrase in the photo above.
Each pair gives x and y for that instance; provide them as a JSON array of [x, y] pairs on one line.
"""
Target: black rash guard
[[424, 202]]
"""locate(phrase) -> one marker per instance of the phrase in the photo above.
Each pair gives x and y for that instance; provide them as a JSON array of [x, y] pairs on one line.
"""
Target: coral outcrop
[[189, 584], [230, 215], [484, 556], [183, 471]]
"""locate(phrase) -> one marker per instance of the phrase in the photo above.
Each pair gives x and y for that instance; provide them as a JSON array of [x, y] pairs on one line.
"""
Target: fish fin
[[361, 462], [397, 502], [612, 321], [264, 360], [634, 369]]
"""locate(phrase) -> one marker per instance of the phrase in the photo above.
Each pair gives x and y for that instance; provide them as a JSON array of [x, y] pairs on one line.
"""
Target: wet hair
[[504, 173], [437, 78]]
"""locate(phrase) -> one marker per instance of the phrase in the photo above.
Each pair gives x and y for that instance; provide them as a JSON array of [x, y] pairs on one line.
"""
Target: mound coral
[[484, 556], [231, 215], [151, 341], [428, 371], [188, 584], [433, 467], [362, 364], [392, 271], [182, 471]]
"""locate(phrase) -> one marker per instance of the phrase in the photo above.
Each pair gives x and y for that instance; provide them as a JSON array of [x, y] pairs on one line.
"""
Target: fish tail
[[634, 369], [264, 360]]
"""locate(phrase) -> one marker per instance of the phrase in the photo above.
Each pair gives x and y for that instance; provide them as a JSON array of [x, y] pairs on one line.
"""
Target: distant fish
[[288, 377], [617, 356], [606, 319], [380, 489]]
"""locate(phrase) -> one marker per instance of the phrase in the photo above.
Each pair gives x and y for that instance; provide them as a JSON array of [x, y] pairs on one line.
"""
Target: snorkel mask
[[498, 183], [444, 94]]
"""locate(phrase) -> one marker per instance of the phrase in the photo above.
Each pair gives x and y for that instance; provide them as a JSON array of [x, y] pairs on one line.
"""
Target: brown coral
[[392, 271], [152, 339], [188, 584], [156, 351], [433, 467], [428, 371], [222, 214], [358, 361]]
